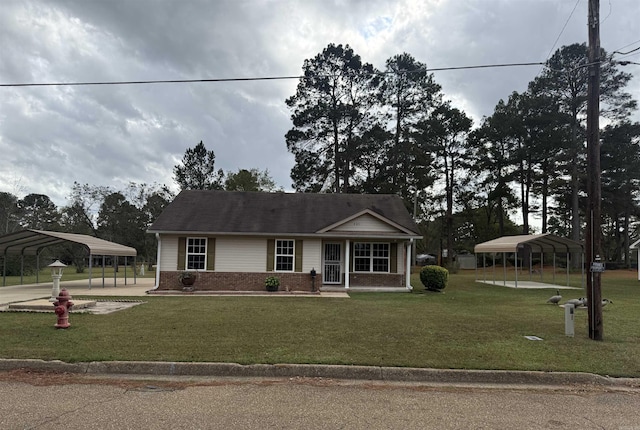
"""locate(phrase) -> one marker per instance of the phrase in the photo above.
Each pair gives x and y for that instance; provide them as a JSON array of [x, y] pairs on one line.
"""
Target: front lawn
[[470, 326]]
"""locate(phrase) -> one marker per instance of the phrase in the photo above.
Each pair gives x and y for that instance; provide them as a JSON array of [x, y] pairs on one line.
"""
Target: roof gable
[[229, 212], [365, 221]]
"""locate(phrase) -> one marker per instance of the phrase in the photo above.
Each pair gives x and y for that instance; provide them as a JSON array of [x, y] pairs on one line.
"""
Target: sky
[[111, 135]]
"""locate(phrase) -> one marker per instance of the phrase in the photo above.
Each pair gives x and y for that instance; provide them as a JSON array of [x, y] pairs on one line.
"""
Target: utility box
[[569, 310]]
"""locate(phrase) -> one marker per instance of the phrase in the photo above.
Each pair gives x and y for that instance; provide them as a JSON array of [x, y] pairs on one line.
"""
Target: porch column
[[347, 259], [408, 268], [158, 260]]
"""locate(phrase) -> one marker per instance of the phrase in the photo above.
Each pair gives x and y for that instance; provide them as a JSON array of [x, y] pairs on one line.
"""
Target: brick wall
[[236, 281], [376, 280]]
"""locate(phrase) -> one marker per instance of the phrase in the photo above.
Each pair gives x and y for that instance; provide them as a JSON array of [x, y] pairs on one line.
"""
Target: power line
[[561, 32], [263, 78]]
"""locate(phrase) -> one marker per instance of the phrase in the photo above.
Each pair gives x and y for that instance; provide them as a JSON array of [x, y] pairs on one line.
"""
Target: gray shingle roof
[[278, 213]]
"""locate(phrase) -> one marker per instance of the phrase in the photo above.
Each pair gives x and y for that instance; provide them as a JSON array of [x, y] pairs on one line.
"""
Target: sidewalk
[[80, 288]]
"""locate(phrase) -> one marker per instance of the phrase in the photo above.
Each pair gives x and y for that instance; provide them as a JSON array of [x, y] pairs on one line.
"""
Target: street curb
[[372, 373]]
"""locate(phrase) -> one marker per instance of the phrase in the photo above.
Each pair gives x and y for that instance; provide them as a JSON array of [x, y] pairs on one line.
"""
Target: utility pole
[[593, 235]]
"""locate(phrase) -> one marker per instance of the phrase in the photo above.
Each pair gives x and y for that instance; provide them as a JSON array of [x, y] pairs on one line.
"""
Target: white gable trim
[[379, 217]]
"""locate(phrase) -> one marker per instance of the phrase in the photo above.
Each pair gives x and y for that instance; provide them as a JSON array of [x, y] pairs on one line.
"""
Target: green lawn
[[470, 326]]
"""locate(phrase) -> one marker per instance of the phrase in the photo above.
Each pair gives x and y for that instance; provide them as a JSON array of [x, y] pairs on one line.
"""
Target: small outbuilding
[[522, 249]]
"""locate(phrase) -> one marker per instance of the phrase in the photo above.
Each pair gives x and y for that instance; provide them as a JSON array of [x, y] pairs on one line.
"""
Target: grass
[[470, 326]]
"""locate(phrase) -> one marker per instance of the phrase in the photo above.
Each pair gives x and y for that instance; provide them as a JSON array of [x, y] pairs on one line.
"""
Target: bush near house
[[434, 278]]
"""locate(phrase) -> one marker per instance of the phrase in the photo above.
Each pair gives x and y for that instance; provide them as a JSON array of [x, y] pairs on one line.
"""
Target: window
[[371, 257], [284, 255], [196, 253]]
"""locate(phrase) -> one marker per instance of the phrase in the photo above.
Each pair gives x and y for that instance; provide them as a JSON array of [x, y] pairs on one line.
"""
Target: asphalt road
[[41, 401]]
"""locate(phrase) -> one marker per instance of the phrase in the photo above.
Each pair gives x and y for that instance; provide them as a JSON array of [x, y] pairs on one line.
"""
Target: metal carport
[[540, 243], [32, 242]]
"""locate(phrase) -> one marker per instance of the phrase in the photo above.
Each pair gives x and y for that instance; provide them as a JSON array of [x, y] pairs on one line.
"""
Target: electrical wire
[[560, 35], [264, 78]]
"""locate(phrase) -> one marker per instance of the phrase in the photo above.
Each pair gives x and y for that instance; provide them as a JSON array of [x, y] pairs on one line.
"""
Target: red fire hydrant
[[62, 306]]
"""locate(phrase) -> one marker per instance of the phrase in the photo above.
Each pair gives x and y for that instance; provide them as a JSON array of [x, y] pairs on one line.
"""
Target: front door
[[332, 258]]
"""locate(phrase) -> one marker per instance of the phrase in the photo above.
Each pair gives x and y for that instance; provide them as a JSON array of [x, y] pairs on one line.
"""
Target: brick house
[[235, 240]]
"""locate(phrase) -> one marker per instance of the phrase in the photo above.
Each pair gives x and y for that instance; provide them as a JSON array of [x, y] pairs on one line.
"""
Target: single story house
[[235, 240]]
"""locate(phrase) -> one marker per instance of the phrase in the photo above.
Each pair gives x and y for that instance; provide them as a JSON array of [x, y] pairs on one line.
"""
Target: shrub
[[272, 283], [434, 278]]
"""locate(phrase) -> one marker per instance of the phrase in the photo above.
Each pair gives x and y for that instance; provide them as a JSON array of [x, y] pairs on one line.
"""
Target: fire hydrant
[[62, 306]]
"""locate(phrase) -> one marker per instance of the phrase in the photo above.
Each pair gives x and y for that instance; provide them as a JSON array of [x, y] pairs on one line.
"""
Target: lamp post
[[56, 274]]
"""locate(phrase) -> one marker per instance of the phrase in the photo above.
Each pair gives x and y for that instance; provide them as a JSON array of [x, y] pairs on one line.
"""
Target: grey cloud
[[111, 135]]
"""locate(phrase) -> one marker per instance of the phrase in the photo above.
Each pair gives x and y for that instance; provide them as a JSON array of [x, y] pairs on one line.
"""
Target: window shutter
[[211, 253], [393, 257], [298, 258], [182, 252], [271, 254]]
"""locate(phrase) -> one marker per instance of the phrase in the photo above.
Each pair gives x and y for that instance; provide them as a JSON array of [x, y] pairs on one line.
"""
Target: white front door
[[331, 274]]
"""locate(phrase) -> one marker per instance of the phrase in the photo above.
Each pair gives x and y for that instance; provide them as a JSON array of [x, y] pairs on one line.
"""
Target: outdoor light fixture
[[56, 273]]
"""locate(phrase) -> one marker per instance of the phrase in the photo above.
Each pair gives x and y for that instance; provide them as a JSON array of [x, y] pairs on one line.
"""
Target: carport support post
[[90, 268], [567, 269], [504, 268], [515, 254], [114, 263]]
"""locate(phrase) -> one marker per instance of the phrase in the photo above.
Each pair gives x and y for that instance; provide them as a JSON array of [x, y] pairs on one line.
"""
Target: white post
[[569, 320], [408, 268], [55, 291], [516, 257], [158, 260], [347, 258]]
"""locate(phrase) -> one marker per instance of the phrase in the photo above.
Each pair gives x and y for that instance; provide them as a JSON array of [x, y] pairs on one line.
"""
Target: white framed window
[[196, 253], [371, 257], [285, 254]]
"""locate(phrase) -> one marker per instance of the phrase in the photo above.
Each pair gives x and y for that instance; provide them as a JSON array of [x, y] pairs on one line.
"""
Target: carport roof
[[545, 242], [30, 241]]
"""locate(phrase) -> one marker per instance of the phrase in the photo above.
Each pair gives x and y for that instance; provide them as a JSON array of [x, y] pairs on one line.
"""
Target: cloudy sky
[[114, 134]]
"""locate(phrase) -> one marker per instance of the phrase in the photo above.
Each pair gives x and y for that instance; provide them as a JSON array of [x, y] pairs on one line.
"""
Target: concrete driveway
[[22, 293]]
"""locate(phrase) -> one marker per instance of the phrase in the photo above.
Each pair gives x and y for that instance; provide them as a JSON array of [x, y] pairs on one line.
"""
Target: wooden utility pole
[[594, 233]]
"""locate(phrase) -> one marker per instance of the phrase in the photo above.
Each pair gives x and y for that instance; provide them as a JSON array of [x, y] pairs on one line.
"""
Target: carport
[[32, 242], [525, 246]]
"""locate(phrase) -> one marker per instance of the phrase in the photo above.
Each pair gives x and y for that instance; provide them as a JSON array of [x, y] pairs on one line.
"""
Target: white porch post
[[158, 259], [408, 268], [347, 259]]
